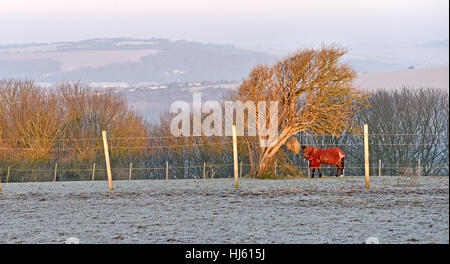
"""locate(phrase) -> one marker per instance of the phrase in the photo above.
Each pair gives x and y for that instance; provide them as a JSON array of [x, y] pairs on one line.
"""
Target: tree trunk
[[264, 164], [269, 153]]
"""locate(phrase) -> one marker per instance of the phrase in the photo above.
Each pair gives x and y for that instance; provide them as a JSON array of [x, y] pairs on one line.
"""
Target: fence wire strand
[[172, 137]]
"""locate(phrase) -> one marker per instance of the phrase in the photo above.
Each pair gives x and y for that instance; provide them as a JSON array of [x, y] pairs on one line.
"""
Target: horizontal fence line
[[187, 145], [47, 149], [122, 147], [221, 165], [50, 140], [178, 167], [207, 144], [125, 168], [372, 144], [94, 139], [174, 137], [372, 167], [378, 134], [425, 144]]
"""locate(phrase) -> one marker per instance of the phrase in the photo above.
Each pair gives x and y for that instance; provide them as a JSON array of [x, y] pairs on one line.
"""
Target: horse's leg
[[320, 173], [313, 169], [337, 170], [342, 166]]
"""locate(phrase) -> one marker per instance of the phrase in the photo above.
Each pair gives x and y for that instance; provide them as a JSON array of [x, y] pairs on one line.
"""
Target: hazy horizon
[[279, 26], [379, 35]]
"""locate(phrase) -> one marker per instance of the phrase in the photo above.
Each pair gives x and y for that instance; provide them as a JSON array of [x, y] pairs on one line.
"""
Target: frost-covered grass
[[326, 210]]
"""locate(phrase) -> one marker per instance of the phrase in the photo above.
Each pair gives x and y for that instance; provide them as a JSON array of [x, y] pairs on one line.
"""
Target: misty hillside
[[152, 102], [127, 60], [158, 61], [381, 59]]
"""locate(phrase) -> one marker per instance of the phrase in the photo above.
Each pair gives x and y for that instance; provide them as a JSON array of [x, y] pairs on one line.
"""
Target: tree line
[[405, 125], [39, 127]]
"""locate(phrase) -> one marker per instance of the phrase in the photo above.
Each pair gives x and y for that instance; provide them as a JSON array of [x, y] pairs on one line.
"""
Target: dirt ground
[[326, 210]]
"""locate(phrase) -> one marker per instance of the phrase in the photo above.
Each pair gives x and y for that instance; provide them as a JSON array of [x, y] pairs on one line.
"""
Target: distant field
[[434, 77], [151, 103], [327, 210]]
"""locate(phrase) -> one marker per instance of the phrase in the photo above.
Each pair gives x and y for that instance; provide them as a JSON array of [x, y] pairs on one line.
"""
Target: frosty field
[[326, 210]]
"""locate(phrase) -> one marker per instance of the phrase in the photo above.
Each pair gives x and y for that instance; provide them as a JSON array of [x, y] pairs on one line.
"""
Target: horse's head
[[306, 151]]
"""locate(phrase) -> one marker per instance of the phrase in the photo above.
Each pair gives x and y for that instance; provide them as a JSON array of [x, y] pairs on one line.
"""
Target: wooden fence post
[[275, 169], [0, 183], [108, 164], [235, 158], [379, 167], [419, 169], [240, 171], [204, 170], [131, 168], [307, 169], [7, 175], [167, 170], [56, 170], [366, 154], [93, 172]]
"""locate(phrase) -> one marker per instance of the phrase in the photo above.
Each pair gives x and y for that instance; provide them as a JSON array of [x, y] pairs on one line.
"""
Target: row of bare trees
[[42, 126], [405, 126]]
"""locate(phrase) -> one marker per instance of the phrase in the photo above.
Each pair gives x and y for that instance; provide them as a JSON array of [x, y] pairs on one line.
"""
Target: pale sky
[[276, 24]]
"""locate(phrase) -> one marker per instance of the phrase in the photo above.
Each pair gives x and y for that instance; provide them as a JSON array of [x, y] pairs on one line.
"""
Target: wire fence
[[182, 165], [148, 173], [119, 173], [181, 136]]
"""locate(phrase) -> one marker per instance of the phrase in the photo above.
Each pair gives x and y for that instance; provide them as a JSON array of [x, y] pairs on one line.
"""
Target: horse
[[329, 156]]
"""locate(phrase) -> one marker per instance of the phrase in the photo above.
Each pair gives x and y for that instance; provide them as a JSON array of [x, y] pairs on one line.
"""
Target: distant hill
[[128, 60], [132, 61], [442, 44]]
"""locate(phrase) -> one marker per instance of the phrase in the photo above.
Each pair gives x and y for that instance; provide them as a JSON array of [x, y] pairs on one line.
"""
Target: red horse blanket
[[318, 156]]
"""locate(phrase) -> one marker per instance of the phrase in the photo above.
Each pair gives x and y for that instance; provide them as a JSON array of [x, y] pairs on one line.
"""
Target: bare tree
[[407, 125], [315, 93]]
